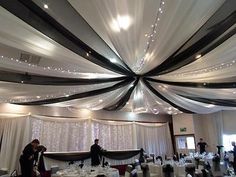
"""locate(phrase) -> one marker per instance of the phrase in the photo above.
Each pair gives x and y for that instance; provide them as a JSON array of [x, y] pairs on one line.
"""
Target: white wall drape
[[70, 134], [154, 138], [15, 134], [78, 134]]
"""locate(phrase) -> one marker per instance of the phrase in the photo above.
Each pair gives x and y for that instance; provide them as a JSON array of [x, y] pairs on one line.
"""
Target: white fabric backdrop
[[15, 131], [114, 135], [154, 138], [71, 134]]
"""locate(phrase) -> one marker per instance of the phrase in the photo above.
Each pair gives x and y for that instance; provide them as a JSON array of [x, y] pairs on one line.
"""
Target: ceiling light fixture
[[198, 56], [210, 106], [122, 22], [113, 60], [45, 6]]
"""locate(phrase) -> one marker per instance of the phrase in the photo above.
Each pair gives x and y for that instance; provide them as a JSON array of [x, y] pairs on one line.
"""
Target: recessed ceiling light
[[121, 22], [37, 96], [100, 100], [67, 95], [113, 60], [127, 103], [45, 6], [210, 106], [198, 56]]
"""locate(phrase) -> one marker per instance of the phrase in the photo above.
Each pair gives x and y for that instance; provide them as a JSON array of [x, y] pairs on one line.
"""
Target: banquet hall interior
[[147, 78]]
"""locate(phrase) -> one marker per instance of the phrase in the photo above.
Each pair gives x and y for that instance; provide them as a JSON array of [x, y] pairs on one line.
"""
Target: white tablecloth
[[88, 172]]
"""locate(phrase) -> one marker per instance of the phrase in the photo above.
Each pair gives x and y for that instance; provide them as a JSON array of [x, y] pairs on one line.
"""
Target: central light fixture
[[122, 22]]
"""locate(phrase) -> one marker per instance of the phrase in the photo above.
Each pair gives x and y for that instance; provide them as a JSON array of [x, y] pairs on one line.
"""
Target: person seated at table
[[202, 146], [96, 153]]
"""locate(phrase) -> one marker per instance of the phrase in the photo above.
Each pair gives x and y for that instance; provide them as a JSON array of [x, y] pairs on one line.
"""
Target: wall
[[82, 113], [202, 126], [229, 122], [183, 121]]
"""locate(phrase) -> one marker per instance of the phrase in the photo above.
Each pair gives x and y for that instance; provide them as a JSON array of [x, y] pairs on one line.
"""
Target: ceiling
[[155, 56]]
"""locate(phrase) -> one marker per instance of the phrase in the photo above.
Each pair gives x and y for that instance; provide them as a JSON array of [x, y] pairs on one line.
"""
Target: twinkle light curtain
[[64, 134]]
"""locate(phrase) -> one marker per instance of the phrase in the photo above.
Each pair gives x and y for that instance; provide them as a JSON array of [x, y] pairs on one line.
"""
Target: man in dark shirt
[[27, 158], [96, 152], [202, 146]]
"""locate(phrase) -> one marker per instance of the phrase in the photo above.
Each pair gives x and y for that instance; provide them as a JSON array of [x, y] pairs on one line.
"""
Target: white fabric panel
[[96, 102], [188, 104], [204, 92], [217, 64], [18, 34], [62, 135], [154, 139], [113, 135], [15, 133], [173, 29], [52, 69], [28, 92]]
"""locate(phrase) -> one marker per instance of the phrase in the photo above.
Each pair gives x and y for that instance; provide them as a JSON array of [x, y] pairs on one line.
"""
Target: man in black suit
[[96, 152]]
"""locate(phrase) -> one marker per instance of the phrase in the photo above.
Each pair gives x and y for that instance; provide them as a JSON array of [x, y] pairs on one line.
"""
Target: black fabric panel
[[80, 95], [219, 102], [78, 156], [120, 155], [164, 98], [30, 13], [197, 84], [8, 76], [122, 102], [204, 44], [68, 156]]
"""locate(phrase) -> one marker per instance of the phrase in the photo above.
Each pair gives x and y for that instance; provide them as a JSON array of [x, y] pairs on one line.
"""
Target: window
[[227, 139], [185, 142], [190, 143]]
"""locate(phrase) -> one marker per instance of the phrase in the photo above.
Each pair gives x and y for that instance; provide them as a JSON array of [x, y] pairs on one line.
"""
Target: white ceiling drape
[[142, 33]]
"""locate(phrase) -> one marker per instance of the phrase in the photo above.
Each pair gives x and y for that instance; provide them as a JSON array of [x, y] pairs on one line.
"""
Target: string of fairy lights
[[52, 69], [151, 36], [214, 68]]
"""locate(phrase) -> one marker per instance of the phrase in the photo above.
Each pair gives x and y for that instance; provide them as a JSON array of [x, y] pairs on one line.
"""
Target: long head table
[[62, 159]]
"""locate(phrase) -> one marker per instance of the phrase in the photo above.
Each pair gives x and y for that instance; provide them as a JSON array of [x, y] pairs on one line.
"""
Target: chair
[[154, 170], [54, 169], [128, 171]]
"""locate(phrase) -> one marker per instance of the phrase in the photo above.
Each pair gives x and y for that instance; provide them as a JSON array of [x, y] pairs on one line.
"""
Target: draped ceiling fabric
[[156, 56]]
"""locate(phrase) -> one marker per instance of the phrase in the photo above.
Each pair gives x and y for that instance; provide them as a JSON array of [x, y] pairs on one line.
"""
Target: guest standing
[[234, 153], [27, 158], [202, 146], [96, 153]]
